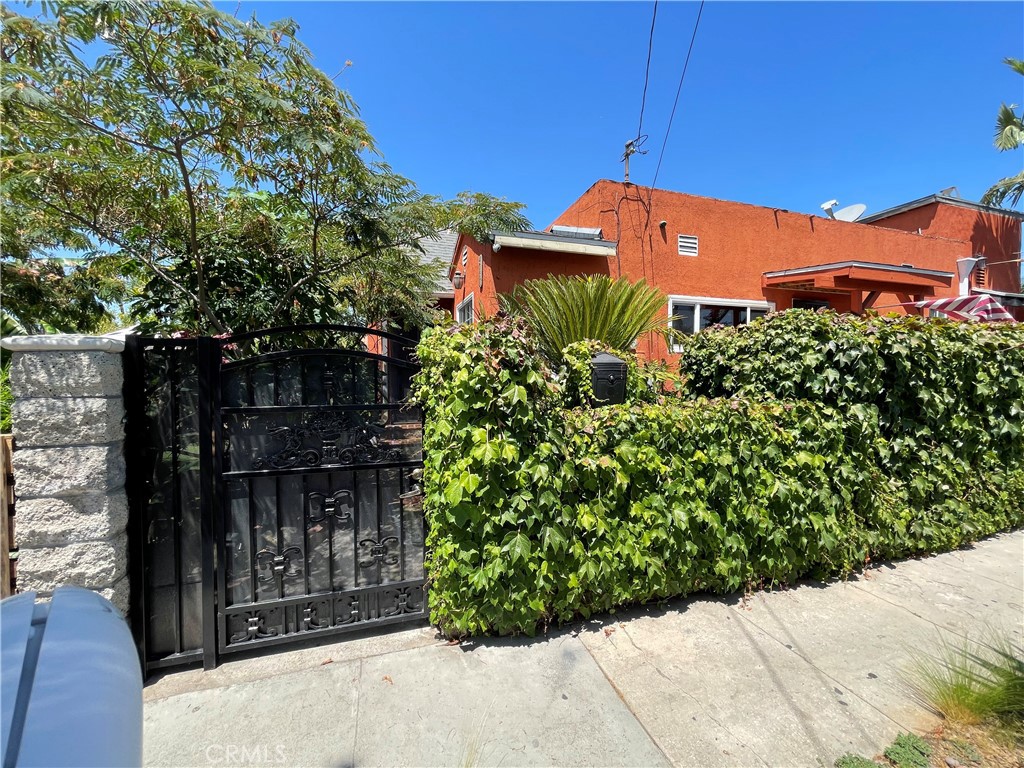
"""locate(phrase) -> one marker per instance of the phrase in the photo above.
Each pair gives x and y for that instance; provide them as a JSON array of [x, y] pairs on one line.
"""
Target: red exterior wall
[[510, 266], [993, 236], [737, 243]]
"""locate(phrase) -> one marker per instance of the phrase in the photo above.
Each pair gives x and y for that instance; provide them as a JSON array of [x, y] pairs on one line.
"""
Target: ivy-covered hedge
[[542, 507], [948, 395]]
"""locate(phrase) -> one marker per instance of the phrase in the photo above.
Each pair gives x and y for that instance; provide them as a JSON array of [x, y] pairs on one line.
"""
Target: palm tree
[[562, 310], [1009, 136]]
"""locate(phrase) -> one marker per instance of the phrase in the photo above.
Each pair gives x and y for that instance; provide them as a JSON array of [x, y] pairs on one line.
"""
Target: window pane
[[756, 313], [684, 322], [810, 304], [465, 312], [713, 315]]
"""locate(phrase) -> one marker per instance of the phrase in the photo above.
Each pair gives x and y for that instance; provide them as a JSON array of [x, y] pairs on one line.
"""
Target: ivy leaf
[[470, 482], [554, 539], [518, 547], [453, 491]]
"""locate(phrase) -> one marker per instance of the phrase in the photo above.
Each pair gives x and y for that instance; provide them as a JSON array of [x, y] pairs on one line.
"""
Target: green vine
[[542, 507]]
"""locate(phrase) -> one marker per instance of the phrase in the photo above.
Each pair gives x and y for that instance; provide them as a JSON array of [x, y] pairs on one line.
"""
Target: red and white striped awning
[[974, 308]]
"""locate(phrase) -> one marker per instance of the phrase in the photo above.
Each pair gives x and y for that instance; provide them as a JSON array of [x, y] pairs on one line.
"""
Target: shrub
[[542, 507], [949, 398], [565, 309], [6, 399]]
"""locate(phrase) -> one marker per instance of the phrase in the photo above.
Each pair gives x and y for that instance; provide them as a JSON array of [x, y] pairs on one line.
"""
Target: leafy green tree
[[1009, 137], [142, 130], [43, 294], [562, 310], [52, 295]]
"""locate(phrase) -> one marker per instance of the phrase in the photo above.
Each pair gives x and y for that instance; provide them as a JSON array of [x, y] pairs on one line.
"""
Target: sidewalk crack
[[911, 611], [622, 698], [826, 675], [700, 705], [355, 714]]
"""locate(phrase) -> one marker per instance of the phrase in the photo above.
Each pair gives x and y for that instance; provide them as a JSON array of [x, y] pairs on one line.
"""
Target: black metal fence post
[[209, 407], [135, 416]]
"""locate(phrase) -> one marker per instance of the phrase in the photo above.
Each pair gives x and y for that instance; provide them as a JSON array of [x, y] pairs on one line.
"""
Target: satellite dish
[[850, 212]]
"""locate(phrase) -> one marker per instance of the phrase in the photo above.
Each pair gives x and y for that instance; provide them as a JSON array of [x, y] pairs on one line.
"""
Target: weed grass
[[973, 682], [850, 760], [909, 750]]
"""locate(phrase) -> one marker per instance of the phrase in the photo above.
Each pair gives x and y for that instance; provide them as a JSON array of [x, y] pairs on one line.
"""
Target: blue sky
[[784, 104]]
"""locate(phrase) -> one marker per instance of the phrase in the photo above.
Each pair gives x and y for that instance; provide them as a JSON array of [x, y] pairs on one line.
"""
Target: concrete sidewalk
[[789, 678]]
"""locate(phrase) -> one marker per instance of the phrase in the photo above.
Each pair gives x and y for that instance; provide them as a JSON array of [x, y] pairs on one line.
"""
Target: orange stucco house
[[724, 262]]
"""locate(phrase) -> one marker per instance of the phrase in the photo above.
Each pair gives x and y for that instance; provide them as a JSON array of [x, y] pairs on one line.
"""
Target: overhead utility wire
[[647, 72], [664, 143], [633, 145], [679, 90]]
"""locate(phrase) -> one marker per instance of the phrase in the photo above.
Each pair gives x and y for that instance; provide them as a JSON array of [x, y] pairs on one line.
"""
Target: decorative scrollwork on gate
[[379, 552], [405, 600], [347, 609], [278, 565], [316, 615], [338, 505], [255, 626], [341, 439]]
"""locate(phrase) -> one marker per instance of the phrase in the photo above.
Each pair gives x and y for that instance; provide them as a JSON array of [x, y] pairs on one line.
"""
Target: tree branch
[[88, 124], [193, 244], [105, 234]]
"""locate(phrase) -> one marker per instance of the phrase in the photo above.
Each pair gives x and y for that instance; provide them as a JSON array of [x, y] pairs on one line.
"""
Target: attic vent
[[687, 245], [465, 255], [981, 276]]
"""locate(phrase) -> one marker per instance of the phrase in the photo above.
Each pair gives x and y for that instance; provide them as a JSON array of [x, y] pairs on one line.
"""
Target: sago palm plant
[[563, 310]]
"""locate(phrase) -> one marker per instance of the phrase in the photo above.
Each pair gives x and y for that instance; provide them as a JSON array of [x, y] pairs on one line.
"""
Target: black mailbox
[[608, 378]]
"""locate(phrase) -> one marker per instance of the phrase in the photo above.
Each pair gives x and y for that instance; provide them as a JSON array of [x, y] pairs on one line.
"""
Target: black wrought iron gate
[[274, 489]]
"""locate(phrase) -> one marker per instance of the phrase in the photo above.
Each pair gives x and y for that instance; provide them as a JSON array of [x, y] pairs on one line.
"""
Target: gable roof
[[438, 250], [947, 200]]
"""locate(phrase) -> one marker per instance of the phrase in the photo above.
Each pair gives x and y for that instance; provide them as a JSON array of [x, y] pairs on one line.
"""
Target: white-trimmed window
[[691, 314], [464, 312], [687, 245]]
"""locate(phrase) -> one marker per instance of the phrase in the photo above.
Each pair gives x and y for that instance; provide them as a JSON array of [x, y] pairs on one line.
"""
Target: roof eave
[[859, 265], [930, 199], [531, 241]]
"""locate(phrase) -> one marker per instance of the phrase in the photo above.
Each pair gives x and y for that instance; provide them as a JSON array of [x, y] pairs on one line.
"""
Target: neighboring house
[[721, 262], [438, 250]]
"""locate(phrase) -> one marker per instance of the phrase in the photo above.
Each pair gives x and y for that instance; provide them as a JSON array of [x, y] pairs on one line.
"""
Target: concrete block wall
[[69, 470]]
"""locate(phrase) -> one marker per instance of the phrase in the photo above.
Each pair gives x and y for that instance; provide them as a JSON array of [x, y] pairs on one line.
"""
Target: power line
[[647, 72], [679, 90]]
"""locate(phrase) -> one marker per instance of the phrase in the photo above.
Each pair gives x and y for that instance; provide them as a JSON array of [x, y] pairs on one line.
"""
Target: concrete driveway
[[790, 678]]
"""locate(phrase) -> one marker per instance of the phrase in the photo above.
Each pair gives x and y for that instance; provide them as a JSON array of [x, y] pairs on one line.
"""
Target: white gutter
[[538, 244]]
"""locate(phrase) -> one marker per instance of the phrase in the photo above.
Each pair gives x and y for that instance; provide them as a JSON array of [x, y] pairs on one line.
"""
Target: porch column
[[69, 468]]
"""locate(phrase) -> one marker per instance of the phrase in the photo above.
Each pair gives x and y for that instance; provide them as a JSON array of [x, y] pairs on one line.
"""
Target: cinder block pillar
[[68, 423]]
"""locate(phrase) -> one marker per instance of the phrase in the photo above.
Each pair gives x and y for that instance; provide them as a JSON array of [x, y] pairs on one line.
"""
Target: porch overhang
[[858, 277], [1006, 298], [546, 241]]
